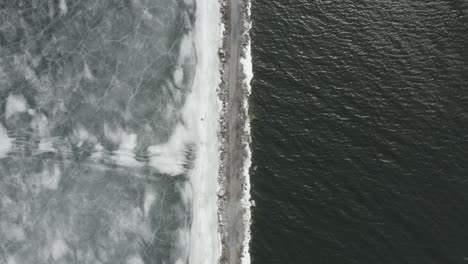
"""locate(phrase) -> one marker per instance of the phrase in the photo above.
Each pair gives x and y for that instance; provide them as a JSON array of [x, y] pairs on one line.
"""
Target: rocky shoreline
[[234, 136]]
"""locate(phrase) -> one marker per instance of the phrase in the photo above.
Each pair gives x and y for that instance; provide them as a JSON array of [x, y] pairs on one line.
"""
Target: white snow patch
[[63, 7], [147, 15], [178, 76], [59, 248], [124, 155], [98, 152], [11, 260], [150, 197], [5, 142], [87, 72], [170, 158], [15, 104], [81, 135], [186, 47], [46, 145], [128, 141], [135, 259], [112, 135]]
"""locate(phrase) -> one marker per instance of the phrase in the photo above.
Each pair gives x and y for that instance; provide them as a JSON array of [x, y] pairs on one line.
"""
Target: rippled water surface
[[360, 131]]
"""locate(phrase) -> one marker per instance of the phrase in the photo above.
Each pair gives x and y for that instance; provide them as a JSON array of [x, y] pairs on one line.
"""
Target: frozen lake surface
[[108, 131]]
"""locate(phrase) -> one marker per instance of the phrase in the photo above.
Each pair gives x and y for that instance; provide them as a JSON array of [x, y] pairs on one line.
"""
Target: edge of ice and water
[[234, 201], [217, 108]]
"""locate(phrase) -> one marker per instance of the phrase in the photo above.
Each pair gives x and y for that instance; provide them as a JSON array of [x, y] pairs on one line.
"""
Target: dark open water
[[360, 131]]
